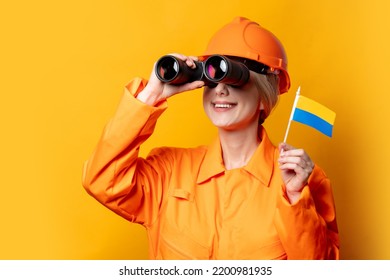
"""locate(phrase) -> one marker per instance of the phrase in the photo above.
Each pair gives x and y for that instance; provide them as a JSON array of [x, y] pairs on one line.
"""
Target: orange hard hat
[[245, 38]]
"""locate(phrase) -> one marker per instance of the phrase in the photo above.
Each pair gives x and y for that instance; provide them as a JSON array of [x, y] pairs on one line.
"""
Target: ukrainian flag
[[312, 113]]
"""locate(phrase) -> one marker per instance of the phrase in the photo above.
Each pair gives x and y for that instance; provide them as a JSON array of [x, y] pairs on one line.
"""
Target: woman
[[239, 197]]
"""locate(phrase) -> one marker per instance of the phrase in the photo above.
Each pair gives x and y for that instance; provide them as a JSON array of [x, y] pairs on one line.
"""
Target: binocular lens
[[172, 70], [216, 69], [167, 68], [221, 69]]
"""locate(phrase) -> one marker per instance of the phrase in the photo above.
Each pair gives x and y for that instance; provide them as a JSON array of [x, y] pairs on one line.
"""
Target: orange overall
[[193, 208]]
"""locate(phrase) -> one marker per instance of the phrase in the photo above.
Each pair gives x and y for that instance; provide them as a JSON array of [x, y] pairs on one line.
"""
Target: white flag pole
[[292, 113]]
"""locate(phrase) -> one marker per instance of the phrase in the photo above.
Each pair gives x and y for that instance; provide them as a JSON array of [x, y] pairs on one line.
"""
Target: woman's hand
[[157, 91], [296, 167]]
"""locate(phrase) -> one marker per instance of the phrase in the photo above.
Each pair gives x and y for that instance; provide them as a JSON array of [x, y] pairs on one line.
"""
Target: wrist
[[149, 96], [293, 196]]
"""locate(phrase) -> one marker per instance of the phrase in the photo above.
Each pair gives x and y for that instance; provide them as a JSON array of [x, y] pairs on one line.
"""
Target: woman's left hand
[[296, 167]]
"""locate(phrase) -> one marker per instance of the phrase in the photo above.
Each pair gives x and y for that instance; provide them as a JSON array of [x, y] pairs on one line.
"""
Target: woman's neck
[[238, 146]]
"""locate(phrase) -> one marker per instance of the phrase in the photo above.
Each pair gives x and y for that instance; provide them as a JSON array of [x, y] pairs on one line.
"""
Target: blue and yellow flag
[[312, 113]]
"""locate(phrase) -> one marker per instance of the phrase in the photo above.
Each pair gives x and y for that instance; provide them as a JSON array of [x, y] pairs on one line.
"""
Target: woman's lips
[[223, 105]]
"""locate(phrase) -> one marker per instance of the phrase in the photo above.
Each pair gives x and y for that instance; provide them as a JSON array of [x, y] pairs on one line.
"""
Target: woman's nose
[[221, 89]]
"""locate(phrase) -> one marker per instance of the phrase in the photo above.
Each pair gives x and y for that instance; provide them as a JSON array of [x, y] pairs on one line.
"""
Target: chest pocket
[[180, 232]]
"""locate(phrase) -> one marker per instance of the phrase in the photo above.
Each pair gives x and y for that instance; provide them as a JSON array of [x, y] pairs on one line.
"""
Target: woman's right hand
[[157, 91]]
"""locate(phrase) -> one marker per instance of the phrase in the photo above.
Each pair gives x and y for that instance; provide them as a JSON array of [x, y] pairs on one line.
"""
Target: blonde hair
[[268, 87]]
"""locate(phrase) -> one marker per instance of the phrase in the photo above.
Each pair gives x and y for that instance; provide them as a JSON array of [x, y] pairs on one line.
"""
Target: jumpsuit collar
[[261, 165]]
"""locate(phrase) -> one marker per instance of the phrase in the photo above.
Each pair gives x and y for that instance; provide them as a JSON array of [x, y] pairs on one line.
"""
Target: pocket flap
[[182, 193]]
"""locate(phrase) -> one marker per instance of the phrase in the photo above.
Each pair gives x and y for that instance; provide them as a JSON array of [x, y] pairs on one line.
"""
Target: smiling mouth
[[223, 105]]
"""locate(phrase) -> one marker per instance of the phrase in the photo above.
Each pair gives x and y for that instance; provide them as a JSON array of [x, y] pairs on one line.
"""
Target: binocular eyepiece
[[215, 69]]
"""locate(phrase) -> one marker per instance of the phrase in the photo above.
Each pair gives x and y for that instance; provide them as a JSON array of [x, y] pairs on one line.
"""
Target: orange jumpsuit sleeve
[[114, 174], [308, 228]]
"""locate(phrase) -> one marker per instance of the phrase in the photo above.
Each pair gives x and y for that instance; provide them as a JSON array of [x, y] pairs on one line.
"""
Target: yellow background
[[63, 67]]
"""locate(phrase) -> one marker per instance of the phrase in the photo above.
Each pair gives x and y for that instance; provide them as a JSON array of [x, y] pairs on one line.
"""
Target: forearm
[[308, 228], [109, 173]]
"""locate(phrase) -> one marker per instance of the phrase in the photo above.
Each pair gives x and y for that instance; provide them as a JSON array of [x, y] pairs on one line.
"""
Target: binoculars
[[215, 69]]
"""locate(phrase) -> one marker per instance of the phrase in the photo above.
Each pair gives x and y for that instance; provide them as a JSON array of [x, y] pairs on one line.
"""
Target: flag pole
[[292, 113]]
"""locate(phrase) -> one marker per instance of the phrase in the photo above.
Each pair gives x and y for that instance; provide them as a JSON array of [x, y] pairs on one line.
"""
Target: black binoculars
[[215, 69]]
